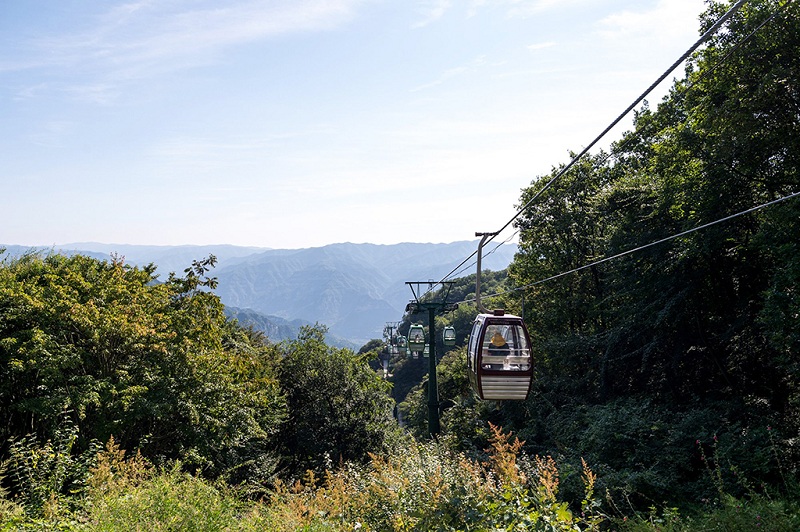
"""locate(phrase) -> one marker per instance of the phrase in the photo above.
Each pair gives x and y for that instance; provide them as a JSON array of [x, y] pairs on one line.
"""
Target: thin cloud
[[101, 93], [138, 39], [541, 46], [455, 72], [474, 7], [657, 24], [51, 134], [528, 8], [431, 11]]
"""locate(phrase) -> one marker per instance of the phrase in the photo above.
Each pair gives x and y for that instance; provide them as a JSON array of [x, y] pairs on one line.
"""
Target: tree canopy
[[639, 357], [665, 363], [110, 350]]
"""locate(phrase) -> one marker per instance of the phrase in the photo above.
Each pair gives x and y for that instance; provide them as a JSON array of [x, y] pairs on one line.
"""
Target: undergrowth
[[427, 487], [752, 508], [430, 487]]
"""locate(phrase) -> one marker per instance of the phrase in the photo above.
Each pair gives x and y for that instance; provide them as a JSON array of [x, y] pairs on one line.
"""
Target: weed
[[754, 509], [45, 475]]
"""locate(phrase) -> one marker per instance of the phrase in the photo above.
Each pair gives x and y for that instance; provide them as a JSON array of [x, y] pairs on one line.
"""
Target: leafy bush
[[49, 478], [727, 513], [339, 408], [155, 364], [169, 501], [430, 487]]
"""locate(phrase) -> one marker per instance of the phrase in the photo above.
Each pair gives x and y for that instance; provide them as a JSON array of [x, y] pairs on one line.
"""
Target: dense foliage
[[99, 349], [644, 360], [156, 365], [666, 378], [339, 408]]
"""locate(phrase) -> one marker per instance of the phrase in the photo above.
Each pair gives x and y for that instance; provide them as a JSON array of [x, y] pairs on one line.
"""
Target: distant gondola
[[402, 343], [449, 336], [416, 338]]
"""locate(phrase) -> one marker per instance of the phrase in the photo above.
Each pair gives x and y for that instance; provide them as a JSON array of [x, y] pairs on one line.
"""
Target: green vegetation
[[693, 339], [666, 393], [428, 487], [340, 409], [93, 350], [113, 351]]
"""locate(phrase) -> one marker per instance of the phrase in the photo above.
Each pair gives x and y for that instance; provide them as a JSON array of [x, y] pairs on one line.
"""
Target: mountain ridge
[[353, 289]]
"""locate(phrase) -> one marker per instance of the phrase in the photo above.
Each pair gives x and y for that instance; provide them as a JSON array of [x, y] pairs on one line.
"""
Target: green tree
[[565, 228], [154, 364], [339, 408], [702, 327]]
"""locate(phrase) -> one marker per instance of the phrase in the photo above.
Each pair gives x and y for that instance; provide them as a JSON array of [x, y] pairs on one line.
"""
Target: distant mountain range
[[353, 289]]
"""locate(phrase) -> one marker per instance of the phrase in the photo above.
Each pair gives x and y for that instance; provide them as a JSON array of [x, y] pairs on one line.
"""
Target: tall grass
[[430, 488], [754, 509], [427, 487], [172, 500]]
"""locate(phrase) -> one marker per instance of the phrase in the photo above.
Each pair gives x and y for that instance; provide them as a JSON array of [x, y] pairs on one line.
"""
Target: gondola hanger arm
[[478, 303]]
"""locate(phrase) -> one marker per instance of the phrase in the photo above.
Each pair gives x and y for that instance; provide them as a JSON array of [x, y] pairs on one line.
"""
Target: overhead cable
[[709, 32], [645, 246], [706, 35]]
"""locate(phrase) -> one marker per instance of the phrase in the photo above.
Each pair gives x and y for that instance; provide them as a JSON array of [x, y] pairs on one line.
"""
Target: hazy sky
[[298, 123]]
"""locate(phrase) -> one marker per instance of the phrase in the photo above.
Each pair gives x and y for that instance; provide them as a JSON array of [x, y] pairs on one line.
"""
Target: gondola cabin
[[499, 357], [402, 343], [416, 338], [449, 336]]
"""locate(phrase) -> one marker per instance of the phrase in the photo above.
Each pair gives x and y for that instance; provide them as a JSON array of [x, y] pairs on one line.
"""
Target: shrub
[[49, 479], [430, 487]]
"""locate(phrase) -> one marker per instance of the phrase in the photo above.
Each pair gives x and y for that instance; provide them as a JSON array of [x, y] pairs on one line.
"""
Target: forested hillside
[[650, 362], [660, 286], [352, 289]]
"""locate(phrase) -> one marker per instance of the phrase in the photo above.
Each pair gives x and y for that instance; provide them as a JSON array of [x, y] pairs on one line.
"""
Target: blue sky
[[299, 123]]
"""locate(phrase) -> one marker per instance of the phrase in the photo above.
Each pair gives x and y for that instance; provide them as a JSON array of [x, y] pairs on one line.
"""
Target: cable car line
[[702, 75], [691, 85], [499, 351], [706, 35], [498, 246], [688, 88], [642, 247]]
